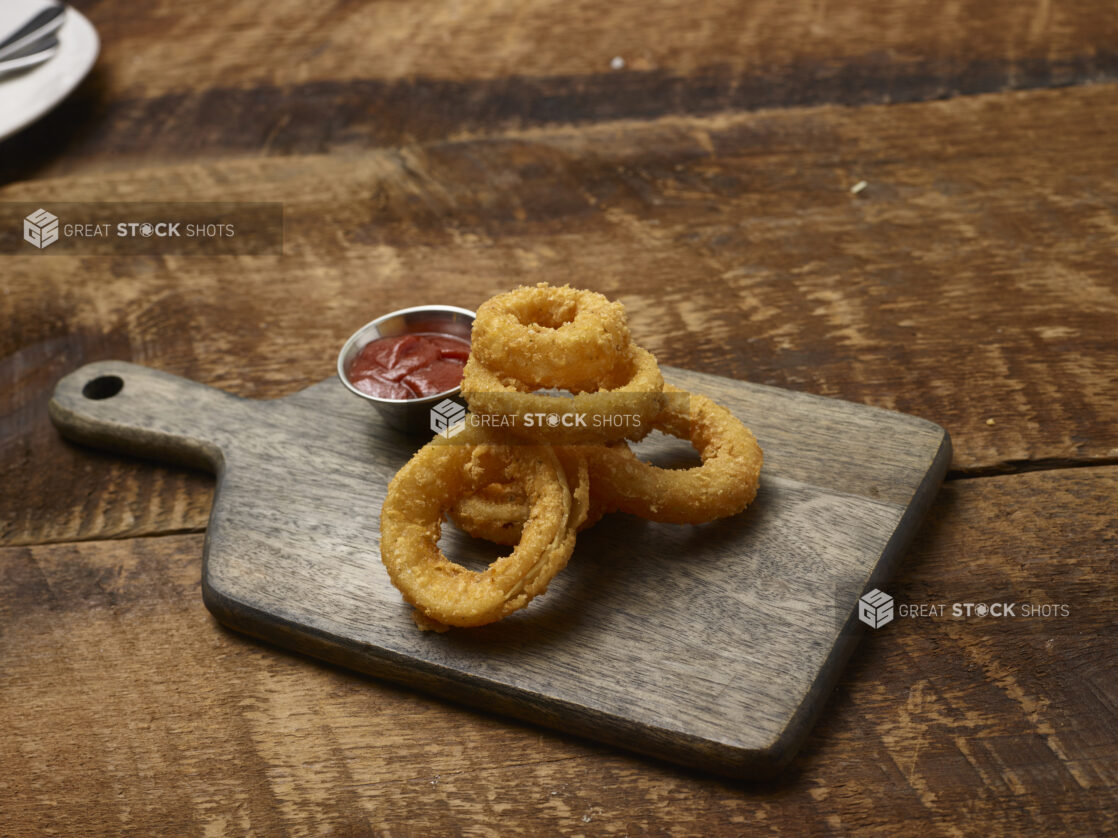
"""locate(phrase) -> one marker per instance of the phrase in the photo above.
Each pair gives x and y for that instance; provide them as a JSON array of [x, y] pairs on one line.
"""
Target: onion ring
[[498, 511], [546, 336], [723, 485], [494, 513], [429, 484], [624, 407]]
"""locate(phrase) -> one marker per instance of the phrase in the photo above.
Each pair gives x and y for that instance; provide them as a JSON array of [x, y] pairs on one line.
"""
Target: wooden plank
[[392, 73], [277, 43], [969, 281], [129, 708], [292, 556]]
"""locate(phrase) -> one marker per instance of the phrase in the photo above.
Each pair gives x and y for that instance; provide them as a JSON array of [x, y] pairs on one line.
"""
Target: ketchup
[[409, 366]]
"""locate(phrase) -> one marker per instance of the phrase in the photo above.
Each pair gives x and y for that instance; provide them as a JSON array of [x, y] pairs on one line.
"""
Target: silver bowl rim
[[360, 333]]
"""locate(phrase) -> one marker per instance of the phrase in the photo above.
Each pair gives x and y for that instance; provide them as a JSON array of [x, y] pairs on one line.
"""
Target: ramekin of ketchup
[[407, 361], [410, 366]]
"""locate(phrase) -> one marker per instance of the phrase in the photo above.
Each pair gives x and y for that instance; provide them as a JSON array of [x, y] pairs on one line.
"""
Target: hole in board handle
[[103, 387]]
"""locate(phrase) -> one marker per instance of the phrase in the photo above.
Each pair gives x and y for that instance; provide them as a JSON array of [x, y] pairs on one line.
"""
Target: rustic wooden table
[[441, 152]]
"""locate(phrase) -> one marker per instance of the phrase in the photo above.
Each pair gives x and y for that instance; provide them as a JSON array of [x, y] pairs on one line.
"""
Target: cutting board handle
[[137, 410]]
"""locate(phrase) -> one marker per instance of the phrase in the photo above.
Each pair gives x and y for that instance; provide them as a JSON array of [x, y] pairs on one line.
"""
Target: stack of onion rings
[[534, 485], [561, 339]]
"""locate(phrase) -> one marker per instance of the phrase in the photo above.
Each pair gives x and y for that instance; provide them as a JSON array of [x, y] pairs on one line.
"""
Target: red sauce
[[410, 366]]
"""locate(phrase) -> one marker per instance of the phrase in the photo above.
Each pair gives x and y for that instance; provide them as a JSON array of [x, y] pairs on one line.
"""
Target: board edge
[[785, 746], [503, 700]]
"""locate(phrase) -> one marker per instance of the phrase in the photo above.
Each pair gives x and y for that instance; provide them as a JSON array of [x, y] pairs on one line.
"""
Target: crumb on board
[[617, 63], [425, 623], [858, 187], [989, 421]]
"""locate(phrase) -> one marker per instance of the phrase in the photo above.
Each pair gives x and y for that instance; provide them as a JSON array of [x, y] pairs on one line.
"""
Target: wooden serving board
[[713, 646]]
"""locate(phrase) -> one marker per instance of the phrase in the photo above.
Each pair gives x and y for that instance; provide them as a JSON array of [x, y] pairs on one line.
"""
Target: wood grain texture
[[622, 648], [278, 43], [970, 281], [395, 73], [941, 727]]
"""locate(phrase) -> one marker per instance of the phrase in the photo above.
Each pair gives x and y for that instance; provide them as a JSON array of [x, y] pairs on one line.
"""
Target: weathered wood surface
[[435, 151], [115, 675], [720, 661], [272, 79], [971, 280]]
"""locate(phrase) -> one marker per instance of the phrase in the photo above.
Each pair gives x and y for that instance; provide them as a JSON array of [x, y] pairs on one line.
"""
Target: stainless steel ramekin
[[409, 415]]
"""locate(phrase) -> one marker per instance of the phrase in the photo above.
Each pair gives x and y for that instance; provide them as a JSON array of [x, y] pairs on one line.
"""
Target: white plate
[[24, 97]]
